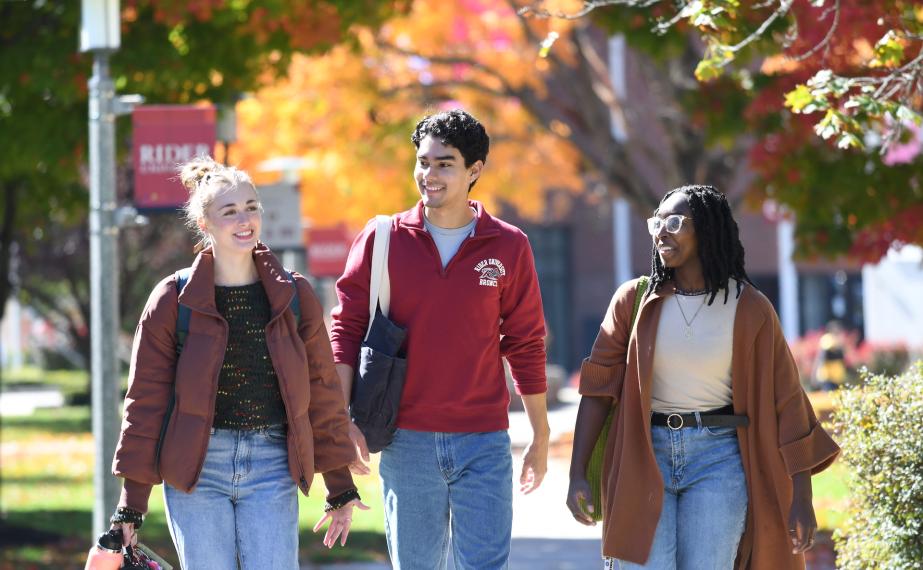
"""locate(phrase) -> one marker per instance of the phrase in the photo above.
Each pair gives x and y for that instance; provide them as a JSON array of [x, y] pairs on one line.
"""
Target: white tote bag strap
[[380, 283]]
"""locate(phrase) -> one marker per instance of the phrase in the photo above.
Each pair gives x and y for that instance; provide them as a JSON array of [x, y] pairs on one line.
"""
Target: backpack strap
[[639, 294], [296, 303], [183, 313]]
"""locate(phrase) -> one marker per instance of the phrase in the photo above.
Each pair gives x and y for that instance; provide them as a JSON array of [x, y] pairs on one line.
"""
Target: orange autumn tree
[[348, 116]]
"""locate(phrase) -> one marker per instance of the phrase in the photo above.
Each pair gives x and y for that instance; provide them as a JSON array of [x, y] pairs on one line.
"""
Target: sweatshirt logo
[[489, 272]]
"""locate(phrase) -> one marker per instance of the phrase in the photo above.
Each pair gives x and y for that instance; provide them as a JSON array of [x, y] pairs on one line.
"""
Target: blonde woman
[[236, 412]]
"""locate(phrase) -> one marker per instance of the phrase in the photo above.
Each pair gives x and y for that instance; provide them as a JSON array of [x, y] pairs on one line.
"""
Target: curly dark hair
[[720, 250], [455, 128]]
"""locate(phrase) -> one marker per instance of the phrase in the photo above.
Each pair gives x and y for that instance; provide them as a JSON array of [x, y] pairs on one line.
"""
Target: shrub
[[879, 425], [881, 358]]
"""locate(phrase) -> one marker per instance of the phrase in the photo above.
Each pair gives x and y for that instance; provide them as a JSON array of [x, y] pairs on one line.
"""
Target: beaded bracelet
[[341, 500], [127, 515]]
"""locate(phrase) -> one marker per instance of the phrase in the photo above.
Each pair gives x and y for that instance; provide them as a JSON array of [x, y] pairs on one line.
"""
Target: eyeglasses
[[673, 223]]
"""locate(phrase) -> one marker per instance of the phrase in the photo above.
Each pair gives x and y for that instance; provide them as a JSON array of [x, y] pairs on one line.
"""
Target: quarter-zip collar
[[485, 226], [199, 292]]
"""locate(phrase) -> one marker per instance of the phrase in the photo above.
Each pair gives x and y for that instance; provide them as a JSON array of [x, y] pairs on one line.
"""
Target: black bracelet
[[129, 515], [334, 503]]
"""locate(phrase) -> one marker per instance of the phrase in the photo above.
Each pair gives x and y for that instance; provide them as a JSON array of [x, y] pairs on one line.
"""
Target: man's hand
[[360, 465], [534, 465], [535, 457]]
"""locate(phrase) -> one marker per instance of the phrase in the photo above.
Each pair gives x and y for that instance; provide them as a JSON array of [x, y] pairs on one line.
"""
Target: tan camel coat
[[783, 438]]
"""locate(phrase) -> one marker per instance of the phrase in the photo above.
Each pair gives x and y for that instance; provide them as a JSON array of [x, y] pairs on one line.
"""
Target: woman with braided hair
[[713, 441]]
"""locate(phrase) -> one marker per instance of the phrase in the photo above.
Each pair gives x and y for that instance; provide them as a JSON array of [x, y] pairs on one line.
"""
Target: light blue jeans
[[704, 501], [244, 508], [437, 483]]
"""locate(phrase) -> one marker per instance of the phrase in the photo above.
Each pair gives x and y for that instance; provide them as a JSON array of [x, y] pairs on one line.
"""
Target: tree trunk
[[10, 199]]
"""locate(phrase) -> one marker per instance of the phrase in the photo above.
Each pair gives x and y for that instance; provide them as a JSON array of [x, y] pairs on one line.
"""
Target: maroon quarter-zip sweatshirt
[[460, 320]]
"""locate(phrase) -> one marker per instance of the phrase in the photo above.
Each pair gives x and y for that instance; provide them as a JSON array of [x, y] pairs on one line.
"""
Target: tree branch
[[441, 59], [446, 84], [531, 36], [588, 6], [829, 35]]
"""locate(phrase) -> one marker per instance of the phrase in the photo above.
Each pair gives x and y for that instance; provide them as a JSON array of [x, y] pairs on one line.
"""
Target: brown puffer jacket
[[318, 439]]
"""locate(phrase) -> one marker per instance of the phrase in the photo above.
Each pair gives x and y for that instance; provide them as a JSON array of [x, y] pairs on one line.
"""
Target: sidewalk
[[545, 535]]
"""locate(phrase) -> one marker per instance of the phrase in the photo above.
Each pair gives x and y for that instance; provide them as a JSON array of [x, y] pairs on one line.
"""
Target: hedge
[[879, 425]]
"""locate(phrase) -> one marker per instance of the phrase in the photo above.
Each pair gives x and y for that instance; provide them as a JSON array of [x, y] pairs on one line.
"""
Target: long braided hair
[[720, 250]]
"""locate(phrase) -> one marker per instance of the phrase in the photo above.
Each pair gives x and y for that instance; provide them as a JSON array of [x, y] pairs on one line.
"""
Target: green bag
[[594, 468]]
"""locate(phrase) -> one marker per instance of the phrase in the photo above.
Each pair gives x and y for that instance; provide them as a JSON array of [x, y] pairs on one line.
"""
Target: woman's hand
[[129, 535], [340, 521], [578, 495], [802, 523]]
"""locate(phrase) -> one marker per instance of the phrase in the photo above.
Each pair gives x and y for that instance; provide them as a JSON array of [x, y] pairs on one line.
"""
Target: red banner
[[328, 249], [165, 136]]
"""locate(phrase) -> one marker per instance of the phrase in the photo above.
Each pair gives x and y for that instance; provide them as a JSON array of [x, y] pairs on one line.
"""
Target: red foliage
[[872, 243]]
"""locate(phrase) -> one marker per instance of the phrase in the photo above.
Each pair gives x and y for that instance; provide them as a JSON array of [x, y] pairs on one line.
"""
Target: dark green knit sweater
[[248, 390]]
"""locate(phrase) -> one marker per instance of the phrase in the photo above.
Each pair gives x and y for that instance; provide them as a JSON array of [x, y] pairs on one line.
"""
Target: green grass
[[831, 495], [69, 420], [46, 500], [72, 383]]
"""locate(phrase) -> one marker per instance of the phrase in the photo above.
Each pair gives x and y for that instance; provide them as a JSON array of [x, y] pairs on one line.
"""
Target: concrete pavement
[[545, 535]]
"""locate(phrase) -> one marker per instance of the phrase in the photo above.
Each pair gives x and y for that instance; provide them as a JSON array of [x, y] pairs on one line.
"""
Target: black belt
[[722, 417]]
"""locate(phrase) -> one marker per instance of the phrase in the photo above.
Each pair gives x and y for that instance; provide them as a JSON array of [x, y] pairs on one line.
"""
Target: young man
[[463, 284]]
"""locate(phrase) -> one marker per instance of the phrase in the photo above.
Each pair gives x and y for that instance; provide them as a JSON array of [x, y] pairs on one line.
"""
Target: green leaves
[[878, 427]]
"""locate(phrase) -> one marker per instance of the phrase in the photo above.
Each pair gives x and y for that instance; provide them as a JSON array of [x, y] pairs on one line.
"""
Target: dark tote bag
[[379, 382], [380, 372]]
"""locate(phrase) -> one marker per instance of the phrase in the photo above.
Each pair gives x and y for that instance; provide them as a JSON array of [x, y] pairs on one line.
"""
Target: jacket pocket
[[183, 449]]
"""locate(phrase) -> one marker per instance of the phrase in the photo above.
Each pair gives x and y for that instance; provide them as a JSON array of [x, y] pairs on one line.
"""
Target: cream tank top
[[692, 363]]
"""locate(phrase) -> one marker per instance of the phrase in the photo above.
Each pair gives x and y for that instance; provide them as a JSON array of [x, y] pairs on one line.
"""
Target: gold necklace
[[688, 330]]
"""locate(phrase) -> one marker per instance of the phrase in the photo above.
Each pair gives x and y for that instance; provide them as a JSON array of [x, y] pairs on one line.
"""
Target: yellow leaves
[[889, 51], [710, 67], [348, 114], [547, 44], [799, 98]]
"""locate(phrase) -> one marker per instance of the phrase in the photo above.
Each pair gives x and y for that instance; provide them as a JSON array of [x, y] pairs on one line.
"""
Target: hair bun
[[195, 170]]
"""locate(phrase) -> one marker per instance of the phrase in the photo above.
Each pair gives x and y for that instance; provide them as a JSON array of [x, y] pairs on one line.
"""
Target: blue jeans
[[704, 501], [434, 482], [244, 507]]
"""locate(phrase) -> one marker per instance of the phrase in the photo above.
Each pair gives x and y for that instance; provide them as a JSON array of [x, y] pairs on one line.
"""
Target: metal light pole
[[99, 35], [104, 290]]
